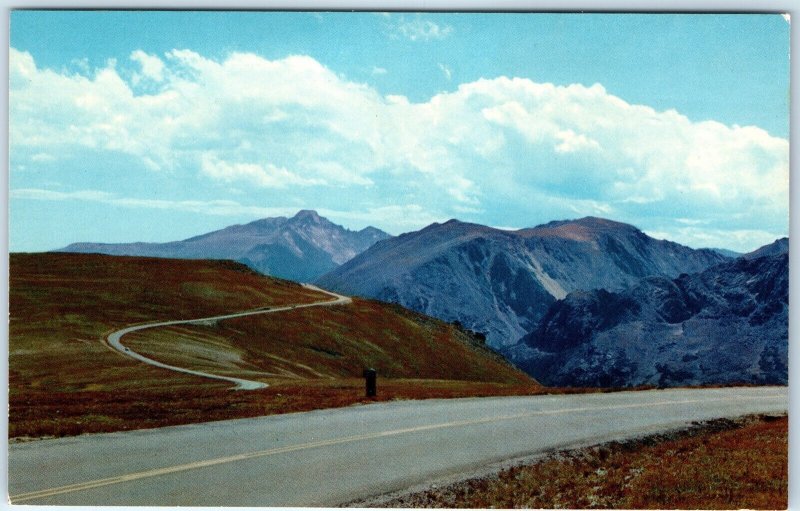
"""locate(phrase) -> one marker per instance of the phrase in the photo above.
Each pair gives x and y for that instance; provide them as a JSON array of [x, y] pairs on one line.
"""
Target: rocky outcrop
[[727, 324]]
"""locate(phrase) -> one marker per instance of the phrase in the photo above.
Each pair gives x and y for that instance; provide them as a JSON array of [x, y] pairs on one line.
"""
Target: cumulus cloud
[[446, 71], [151, 66], [543, 150]]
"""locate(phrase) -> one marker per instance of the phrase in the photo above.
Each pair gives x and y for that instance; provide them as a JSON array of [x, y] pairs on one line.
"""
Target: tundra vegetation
[[64, 380], [722, 464]]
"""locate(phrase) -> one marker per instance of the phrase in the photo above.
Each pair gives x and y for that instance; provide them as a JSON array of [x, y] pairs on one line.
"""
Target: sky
[[157, 126]]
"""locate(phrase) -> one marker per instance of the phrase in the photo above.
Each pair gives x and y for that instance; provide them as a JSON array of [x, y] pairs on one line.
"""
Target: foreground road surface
[[330, 457], [115, 338]]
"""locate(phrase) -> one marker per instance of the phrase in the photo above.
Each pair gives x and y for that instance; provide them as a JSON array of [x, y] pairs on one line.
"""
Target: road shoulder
[[613, 468]]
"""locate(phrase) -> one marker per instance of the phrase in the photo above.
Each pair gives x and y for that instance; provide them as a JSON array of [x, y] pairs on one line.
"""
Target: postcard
[[398, 259]]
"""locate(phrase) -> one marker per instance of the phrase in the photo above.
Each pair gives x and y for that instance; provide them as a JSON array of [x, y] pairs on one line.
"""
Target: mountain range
[[301, 248], [586, 302], [501, 283], [727, 324]]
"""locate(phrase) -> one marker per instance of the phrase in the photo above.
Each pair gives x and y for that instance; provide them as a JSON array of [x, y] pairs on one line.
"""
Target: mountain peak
[[596, 221], [372, 231], [307, 214], [456, 224], [592, 222], [301, 248], [582, 229], [779, 246]]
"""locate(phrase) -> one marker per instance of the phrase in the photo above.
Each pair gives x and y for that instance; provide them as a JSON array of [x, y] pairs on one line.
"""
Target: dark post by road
[[371, 376]]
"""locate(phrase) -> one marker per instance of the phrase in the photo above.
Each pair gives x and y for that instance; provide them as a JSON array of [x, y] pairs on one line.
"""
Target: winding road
[[115, 338], [333, 457]]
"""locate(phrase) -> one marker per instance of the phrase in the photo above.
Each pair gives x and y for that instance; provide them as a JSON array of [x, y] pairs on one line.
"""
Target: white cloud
[[210, 207], [499, 143], [82, 65], [378, 71], [268, 176], [397, 218], [572, 142], [417, 28], [591, 207], [39, 194], [152, 66], [446, 71], [691, 221], [42, 157]]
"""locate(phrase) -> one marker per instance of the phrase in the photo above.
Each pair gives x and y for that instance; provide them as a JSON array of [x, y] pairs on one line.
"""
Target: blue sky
[[156, 126]]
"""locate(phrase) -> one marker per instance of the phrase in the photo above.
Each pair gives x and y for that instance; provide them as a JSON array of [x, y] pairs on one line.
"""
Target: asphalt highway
[[331, 457], [115, 338]]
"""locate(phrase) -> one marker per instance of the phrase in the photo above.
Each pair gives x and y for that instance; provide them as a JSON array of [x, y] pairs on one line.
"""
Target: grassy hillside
[[331, 343], [63, 305], [64, 380]]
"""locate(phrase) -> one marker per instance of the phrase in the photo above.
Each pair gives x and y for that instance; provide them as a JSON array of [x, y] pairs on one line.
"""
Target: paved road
[[329, 457], [115, 338]]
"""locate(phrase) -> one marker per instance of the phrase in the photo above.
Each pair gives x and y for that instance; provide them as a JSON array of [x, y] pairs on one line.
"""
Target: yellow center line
[[23, 497]]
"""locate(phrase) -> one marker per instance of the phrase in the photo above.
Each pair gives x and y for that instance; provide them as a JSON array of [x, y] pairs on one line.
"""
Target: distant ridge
[[501, 282], [779, 246], [299, 248], [727, 253]]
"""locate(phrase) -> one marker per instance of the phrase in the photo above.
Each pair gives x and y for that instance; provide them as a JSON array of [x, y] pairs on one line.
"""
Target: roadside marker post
[[371, 376]]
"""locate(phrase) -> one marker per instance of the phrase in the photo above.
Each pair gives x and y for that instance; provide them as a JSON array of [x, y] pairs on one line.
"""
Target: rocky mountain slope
[[779, 246], [726, 324], [300, 248], [501, 282]]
